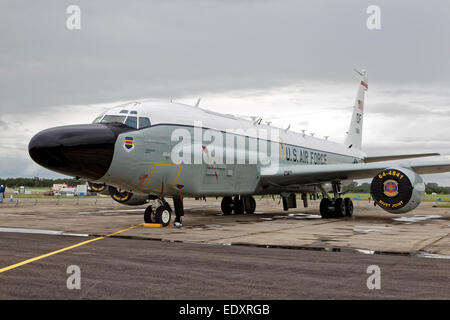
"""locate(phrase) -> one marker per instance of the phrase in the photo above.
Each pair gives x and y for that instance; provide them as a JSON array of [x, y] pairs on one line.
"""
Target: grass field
[[36, 193], [427, 197], [38, 196], [362, 196]]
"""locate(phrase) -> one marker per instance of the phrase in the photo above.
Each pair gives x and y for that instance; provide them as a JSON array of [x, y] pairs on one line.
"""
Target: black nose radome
[[77, 150]]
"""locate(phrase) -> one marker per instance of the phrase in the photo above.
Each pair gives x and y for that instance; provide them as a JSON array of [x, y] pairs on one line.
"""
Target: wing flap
[[398, 157], [427, 167]]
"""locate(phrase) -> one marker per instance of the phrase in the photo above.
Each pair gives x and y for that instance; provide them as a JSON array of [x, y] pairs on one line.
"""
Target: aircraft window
[[113, 119], [133, 112], [97, 120], [131, 122], [123, 111], [144, 122]]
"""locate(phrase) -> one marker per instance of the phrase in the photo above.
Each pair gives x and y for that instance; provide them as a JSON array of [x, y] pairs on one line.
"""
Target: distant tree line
[[353, 187], [38, 182], [434, 187], [431, 187]]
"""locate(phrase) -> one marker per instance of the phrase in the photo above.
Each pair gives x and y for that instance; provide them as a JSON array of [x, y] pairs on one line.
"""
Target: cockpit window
[[144, 122], [97, 120], [131, 122], [113, 119]]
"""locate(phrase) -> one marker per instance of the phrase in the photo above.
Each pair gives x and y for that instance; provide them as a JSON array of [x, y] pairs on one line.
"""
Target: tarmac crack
[[434, 242], [271, 231]]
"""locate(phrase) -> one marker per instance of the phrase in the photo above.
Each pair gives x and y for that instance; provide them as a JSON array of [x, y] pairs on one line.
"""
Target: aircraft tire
[[325, 204], [163, 215], [339, 208], [148, 214], [348, 207], [226, 205], [252, 207], [238, 205]]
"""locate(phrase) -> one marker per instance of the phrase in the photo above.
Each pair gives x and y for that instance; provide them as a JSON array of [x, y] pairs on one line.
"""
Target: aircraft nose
[[77, 150]]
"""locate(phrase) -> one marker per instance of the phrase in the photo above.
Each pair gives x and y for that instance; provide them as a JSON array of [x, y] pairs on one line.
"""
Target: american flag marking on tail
[[360, 105]]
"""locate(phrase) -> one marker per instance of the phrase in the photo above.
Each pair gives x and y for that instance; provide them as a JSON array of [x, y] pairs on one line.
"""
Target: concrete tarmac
[[267, 255], [120, 268]]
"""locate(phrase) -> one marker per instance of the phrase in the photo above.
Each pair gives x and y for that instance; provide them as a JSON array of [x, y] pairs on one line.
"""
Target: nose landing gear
[[162, 214]]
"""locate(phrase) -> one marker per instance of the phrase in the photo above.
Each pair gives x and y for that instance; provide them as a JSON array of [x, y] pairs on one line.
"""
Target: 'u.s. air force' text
[[304, 156]]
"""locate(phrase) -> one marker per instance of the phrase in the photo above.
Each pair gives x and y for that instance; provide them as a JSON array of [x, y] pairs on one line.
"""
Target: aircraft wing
[[310, 174], [399, 156]]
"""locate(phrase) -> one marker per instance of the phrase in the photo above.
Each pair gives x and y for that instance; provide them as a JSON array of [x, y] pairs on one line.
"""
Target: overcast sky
[[288, 61]]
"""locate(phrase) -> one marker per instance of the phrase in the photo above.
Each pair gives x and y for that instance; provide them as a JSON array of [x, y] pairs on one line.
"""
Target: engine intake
[[96, 187], [128, 198], [397, 191]]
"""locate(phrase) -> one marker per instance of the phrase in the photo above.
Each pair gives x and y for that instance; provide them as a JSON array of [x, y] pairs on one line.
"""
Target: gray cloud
[[174, 48], [3, 124], [406, 110]]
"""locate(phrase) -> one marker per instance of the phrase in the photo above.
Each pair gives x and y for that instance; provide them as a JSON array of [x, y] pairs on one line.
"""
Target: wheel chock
[[154, 225]]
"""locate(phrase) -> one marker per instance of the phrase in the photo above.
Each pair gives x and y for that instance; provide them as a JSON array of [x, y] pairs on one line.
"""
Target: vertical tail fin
[[354, 134]]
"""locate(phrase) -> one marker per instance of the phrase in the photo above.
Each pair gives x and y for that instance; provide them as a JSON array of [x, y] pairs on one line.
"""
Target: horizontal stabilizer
[[398, 157]]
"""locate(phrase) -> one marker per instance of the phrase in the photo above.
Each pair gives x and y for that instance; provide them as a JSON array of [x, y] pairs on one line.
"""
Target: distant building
[[67, 191], [81, 190], [58, 186]]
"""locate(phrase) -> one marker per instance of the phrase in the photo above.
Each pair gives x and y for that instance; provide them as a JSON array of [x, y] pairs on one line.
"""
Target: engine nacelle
[[128, 198], [397, 190], [97, 187]]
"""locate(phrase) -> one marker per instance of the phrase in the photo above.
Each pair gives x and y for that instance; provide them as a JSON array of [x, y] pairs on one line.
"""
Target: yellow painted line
[[64, 249]]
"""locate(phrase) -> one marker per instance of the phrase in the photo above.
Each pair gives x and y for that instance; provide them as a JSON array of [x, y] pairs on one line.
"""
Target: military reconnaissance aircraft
[[148, 152]]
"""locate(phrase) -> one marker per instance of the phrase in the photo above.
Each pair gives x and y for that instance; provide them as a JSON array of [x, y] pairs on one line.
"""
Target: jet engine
[[397, 190], [128, 198], [96, 187]]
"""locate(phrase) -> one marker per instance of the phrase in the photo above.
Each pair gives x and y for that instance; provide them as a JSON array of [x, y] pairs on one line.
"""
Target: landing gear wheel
[[238, 205], [325, 204], [251, 205], [226, 205], [339, 208], [148, 214], [163, 215], [348, 207]]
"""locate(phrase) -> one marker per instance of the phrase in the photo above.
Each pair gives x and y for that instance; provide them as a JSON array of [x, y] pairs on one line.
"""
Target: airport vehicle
[[147, 152]]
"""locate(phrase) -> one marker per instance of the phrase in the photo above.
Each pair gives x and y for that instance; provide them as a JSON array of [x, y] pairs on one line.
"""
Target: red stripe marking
[[212, 165]]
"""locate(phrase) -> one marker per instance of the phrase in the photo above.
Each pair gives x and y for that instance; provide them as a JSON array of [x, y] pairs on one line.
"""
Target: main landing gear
[[238, 205], [163, 213], [336, 207]]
